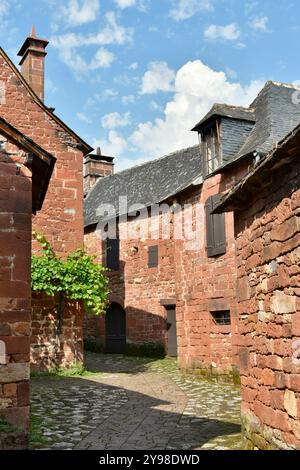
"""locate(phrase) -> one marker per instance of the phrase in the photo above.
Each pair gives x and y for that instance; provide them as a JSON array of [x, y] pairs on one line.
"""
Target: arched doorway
[[115, 328]]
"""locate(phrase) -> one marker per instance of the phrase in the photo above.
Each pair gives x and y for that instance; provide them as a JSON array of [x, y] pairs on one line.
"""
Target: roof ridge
[[40, 103], [245, 108], [149, 162], [268, 85], [283, 84]]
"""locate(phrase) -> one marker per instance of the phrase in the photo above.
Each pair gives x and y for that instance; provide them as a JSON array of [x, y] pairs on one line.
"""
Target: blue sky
[[133, 76]]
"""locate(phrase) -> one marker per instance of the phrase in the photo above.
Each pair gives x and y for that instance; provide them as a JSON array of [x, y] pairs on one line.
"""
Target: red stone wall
[[197, 284], [51, 347], [268, 239], [94, 170], [138, 289], [61, 219], [205, 285], [15, 293]]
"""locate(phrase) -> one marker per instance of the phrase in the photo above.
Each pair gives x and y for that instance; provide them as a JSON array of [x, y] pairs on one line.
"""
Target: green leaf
[[78, 276]]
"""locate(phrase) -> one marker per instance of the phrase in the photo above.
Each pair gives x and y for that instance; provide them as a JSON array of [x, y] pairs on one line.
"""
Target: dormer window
[[211, 148]]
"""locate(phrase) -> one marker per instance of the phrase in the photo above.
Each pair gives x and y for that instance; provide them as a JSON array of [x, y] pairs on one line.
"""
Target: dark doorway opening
[[171, 331], [115, 327]]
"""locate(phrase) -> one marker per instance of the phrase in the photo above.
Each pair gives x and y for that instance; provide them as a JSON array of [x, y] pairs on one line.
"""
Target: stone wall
[[61, 219], [53, 346], [206, 285], [15, 294], [140, 290], [187, 278], [268, 261]]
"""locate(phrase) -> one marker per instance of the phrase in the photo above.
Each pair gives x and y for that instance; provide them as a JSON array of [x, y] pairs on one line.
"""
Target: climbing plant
[[78, 278]]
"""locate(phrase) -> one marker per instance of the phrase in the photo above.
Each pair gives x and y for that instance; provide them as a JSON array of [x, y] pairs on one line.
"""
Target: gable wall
[[61, 219]]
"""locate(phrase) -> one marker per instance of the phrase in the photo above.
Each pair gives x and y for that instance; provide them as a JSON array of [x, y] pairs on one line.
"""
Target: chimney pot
[[33, 32], [96, 166]]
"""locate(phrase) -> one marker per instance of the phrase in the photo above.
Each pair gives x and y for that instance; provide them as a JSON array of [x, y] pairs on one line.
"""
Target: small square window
[[222, 317]]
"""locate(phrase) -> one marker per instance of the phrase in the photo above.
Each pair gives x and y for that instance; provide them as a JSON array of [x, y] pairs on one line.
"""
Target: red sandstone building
[[163, 294], [267, 207], [32, 138], [61, 219], [25, 172]]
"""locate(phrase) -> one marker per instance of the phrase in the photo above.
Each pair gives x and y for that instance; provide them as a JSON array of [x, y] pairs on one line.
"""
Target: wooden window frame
[[221, 317], [210, 138], [216, 243]]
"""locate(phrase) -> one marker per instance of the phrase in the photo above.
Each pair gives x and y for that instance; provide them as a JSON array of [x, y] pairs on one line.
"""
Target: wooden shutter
[[153, 256], [215, 228], [113, 254]]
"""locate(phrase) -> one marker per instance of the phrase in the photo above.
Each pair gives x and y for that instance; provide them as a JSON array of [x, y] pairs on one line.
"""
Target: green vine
[[76, 278]]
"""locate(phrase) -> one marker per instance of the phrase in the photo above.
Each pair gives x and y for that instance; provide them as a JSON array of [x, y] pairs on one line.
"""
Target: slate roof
[[147, 184], [276, 113], [240, 195], [225, 110]]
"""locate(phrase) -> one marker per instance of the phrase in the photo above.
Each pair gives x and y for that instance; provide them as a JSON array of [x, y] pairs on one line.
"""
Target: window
[[113, 254], [211, 149], [222, 317], [153, 256], [215, 228]]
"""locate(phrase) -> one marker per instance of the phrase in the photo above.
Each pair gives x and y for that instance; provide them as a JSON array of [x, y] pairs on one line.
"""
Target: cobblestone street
[[132, 403]]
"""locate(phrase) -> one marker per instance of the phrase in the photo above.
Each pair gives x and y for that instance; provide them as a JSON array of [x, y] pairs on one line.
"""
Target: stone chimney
[[96, 166], [33, 53]]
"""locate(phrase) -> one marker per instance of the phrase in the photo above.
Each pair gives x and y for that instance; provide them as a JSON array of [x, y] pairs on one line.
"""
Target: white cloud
[[141, 5], [112, 33], [260, 24], [115, 120], [128, 99], [228, 32], [231, 73], [153, 29], [133, 66], [102, 59], [125, 3], [84, 118], [109, 94], [197, 88], [50, 86], [114, 145], [184, 9], [154, 106], [159, 77], [4, 8], [79, 12]]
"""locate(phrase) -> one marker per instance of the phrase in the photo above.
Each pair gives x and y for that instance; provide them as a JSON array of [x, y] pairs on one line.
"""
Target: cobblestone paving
[[134, 403]]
